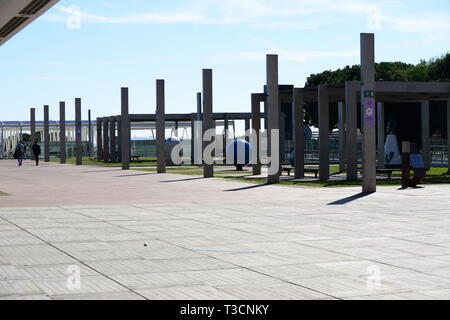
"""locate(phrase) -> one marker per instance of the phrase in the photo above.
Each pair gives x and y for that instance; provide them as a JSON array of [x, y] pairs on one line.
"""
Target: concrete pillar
[[126, 130], [324, 133], [225, 135], [208, 122], [273, 115], [119, 139], [256, 126], [62, 133], [46, 134], [99, 139], [78, 130], [112, 139], [381, 135], [247, 129], [160, 126], [90, 136], [369, 112], [341, 111], [32, 129], [448, 134], [298, 134], [426, 151], [106, 154], [351, 105]]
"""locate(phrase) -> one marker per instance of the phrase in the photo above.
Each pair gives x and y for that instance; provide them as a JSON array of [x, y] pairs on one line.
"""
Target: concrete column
[[32, 129], [369, 112], [273, 114], [381, 134], [119, 139], [46, 134], [62, 133], [193, 137], [256, 126], [341, 111], [324, 133], [126, 130], [112, 139], [106, 154], [298, 134], [225, 135], [90, 136], [208, 122], [78, 130], [426, 151], [351, 88], [99, 139], [160, 126], [247, 128], [448, 134]]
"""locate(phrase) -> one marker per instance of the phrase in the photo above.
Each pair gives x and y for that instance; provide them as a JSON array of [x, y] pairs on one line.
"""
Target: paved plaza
[[137, 235]]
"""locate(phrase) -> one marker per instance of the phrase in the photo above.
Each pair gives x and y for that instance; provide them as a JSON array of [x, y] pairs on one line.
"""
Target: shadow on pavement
[[349, 199], [247, 188]]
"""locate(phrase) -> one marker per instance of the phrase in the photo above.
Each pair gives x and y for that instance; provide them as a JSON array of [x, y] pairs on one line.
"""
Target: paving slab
[[136, 236]]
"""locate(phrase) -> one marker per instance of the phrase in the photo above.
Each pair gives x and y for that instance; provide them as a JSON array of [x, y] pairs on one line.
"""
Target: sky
[[92, 48]]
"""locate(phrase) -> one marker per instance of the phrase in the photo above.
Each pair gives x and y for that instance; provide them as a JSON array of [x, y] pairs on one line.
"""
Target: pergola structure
[[371, 95]]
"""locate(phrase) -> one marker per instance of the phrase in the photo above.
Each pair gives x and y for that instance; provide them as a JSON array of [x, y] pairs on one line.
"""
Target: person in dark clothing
[[19, 154], [36, 152]]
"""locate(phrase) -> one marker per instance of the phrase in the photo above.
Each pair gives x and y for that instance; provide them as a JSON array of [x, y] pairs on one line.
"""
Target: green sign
[[369, 94]]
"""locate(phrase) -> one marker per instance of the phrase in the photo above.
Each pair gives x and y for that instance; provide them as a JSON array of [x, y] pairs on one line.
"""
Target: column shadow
[[247, 188], [349, 199]]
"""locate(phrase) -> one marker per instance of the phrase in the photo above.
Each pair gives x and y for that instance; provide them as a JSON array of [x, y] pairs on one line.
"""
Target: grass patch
[[3, 193]]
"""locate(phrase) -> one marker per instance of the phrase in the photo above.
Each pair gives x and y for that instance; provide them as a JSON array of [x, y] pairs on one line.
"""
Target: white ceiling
[[14, 16]]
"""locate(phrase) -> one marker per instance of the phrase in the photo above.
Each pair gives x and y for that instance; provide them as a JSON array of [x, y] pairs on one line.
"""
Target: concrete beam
[[126, 133], [368, 112], [273, 114], [62, 133], [78, 133], [425, 132], [160, 126], [299, 134], [324, 133], [46, 134], [208, 122], [256, 126]]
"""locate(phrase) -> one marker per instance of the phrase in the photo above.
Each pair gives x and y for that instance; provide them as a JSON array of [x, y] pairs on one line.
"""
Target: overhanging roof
[[17, 14]]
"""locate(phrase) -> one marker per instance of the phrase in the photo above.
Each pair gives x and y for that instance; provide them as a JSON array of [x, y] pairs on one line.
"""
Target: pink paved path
[[53, 184]]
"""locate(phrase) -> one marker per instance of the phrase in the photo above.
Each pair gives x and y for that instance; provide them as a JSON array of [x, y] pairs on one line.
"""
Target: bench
[[135, 158], [288, 169], [383, 171]]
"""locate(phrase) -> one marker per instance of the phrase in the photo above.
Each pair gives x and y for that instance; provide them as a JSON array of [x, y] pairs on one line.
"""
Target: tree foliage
[[436, 70]]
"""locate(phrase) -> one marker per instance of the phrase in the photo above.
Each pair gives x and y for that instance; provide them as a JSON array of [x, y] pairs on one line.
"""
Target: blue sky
[[132, 43]]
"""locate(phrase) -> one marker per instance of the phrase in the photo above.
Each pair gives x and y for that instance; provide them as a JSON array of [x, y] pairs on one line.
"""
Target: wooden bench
[[135, 158], [383, 171], [288, 169]]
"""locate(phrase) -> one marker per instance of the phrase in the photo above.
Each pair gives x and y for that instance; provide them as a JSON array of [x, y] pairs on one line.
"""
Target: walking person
[[36, 152], [20, 153]]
